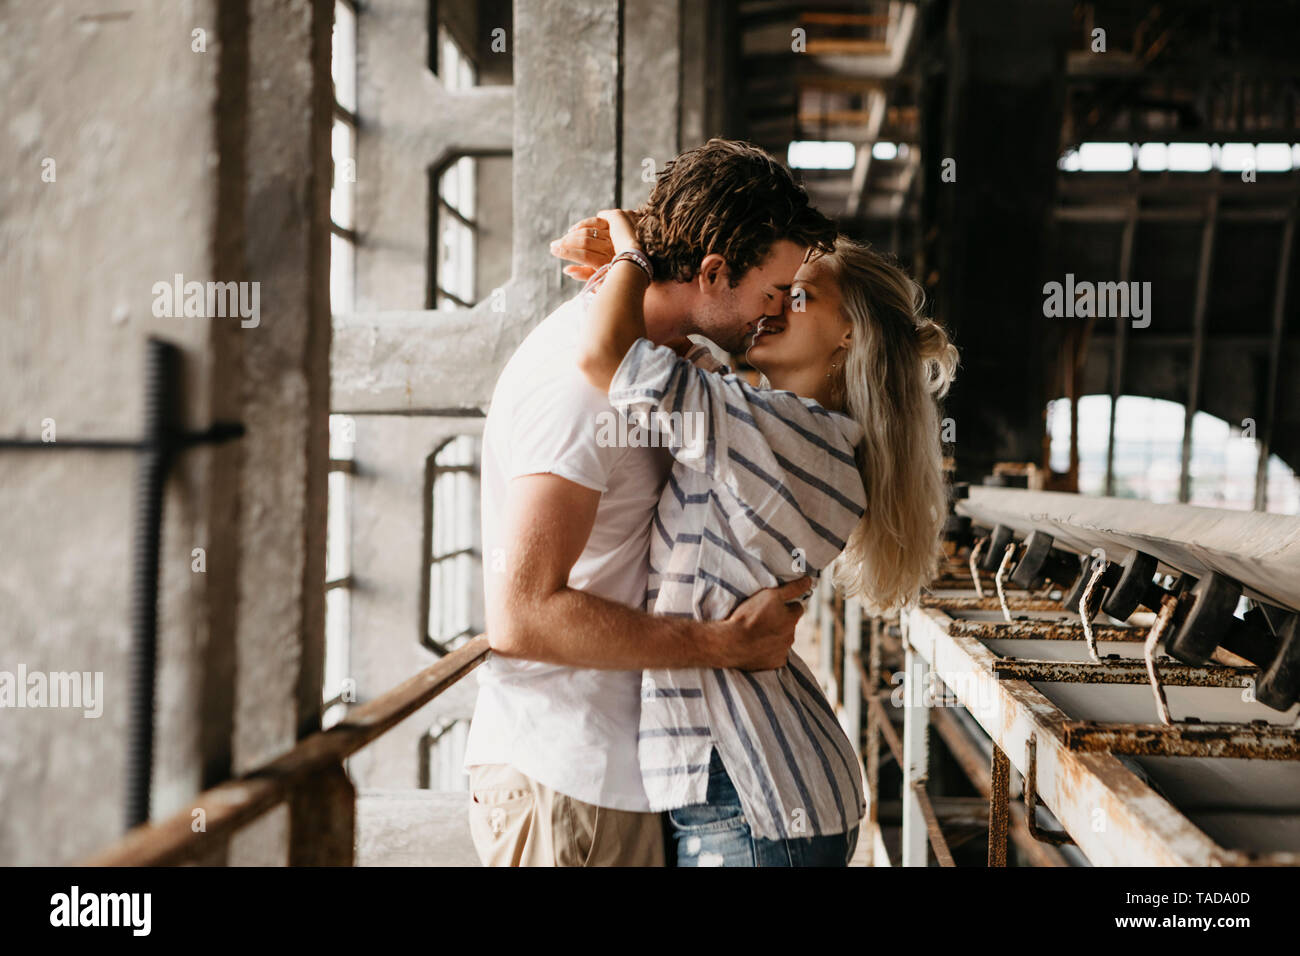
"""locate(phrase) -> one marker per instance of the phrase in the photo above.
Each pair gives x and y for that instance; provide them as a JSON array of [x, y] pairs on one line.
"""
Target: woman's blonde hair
[[898, 367]]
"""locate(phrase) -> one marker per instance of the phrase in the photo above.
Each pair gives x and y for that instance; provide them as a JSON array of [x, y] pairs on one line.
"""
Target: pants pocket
[[719, 836], [576, 826], [497, 783], [501, 813], [707, 817]]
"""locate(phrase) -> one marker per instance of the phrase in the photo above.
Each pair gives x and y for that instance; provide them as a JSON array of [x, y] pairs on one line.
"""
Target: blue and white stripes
[[771, 494]]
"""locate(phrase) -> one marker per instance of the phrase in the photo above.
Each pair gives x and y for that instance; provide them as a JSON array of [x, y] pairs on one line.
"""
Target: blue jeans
[[716, 833]]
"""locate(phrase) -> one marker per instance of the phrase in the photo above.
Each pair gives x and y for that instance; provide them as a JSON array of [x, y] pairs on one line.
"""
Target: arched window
[[1148, 454], [454, 564]]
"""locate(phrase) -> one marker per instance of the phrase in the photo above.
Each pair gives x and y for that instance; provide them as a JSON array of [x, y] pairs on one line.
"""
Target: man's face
[[809, 332], [727, 315]]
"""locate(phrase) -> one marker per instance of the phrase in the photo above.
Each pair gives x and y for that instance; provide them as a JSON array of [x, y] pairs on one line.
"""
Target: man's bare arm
[[533, 614]]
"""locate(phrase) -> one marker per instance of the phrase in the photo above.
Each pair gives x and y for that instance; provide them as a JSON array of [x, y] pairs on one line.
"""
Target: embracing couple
[[642, 705]]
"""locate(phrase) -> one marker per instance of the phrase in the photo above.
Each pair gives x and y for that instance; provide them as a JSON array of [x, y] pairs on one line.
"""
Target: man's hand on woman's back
[[760, 632]]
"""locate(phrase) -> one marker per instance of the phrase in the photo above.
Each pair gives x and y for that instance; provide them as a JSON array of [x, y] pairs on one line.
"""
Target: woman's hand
[[592, 242], [587, 245], [621, 224]]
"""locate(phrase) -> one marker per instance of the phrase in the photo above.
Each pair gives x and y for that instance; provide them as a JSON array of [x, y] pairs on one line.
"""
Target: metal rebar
[[1086, 609], [162, 362], [1054, 837], [974, 571], [1168, 605], [997, 579], [999, 806]]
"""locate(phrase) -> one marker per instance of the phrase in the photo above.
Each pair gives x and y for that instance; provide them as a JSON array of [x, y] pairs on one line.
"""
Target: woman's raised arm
[[616, 317]]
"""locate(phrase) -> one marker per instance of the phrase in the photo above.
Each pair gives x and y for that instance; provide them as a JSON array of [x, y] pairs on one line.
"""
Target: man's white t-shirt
[[574, 730]]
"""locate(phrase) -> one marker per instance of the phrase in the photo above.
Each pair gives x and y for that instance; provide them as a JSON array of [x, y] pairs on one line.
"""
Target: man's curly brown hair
[[731, 198]]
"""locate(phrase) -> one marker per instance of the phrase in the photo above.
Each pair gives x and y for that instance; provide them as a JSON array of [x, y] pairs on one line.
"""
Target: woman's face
[[808, 333]]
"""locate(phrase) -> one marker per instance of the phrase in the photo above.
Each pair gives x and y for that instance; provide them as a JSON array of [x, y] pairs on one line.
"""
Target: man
[[552, 750]]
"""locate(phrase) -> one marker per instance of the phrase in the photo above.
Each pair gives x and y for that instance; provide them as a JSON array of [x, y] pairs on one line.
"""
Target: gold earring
[[834, 368]]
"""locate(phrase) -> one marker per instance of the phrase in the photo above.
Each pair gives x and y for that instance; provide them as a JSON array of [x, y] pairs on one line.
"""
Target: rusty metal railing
[[314, 762]]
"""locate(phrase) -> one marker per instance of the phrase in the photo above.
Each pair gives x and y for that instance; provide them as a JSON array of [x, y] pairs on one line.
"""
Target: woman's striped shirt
[[764, 489]]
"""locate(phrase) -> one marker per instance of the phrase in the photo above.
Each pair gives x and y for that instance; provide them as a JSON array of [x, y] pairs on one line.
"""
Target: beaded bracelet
[[637, 257]]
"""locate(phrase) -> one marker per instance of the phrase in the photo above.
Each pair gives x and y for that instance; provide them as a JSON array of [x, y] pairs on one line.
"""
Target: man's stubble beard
[[722, 326]]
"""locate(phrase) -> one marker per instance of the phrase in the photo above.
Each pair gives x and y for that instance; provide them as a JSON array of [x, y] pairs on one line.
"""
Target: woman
[[838, 457]]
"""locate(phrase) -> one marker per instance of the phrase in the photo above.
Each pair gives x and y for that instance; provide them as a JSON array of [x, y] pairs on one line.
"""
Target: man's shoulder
[[544, 367], [557, 332], [560, 322]]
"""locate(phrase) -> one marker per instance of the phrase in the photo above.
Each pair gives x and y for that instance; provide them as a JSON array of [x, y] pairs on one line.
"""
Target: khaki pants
[[516, 821]]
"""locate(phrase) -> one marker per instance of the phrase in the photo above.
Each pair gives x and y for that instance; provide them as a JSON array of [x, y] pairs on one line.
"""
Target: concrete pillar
[[652, 93], [79, 262], [285, 391], [103, 201]]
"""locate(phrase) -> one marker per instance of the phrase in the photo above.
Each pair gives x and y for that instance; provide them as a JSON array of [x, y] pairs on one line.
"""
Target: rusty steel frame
[[1142, 828], [1007, 820], [1028, 630], [959, 578], [1125, 670], [932, 829], [1050, 837], [887, 728], [1015, 602], [964, 751], [1258, 740], [999, 806]]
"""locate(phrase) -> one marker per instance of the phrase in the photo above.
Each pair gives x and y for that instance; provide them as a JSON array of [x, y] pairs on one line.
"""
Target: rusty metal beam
[[989, 603], [1259, 740], [1125, 671], [960, 745], [886, 726], [932, 829], [999, 807], [1044, 631]]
